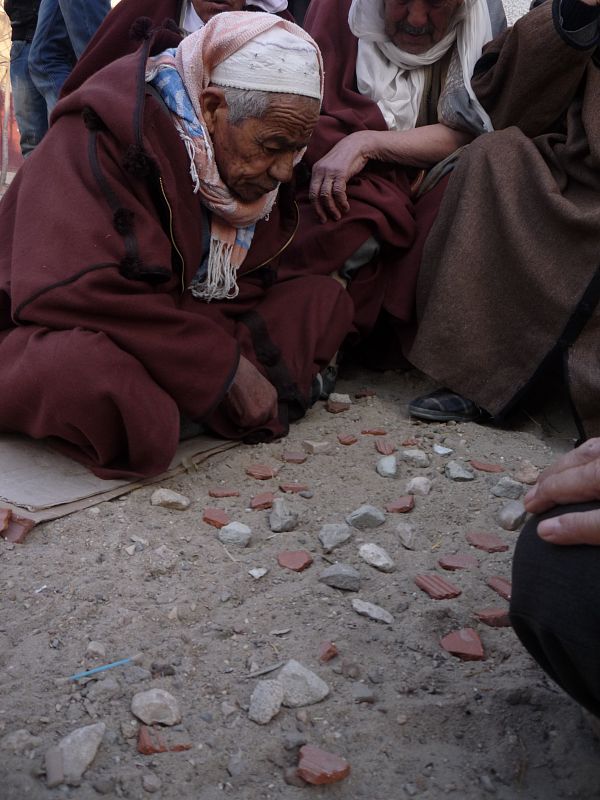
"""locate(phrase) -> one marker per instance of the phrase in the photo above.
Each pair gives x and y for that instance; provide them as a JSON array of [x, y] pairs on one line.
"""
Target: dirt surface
[[429, 726]]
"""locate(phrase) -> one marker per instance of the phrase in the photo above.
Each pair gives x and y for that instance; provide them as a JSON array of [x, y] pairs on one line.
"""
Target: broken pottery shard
[[166, 498], [17, 530], [262, 501], [150, 741], [215, 517], [464, 644], [482, 466], [410, 442], [508, 488], [319, 767], [294, 456], [236, 533], [455, 471], [372, 611], [387, 467], [366, 516], [486, 541], [156, 705], [334, 534], [301, 687], [293, 488], [5, 517], [347, 439], [494, 617], [402, 505], [316, 447], [458, 561], [407, 535], [512, 515], [341, 576], [436, 587], [78, 750], [282, 518], [327, 651], [376, 556], [296, 560], [336, 408], [265, 702], [501, 586], [374, 432], [262, 472], [220, 493], [385, 447]]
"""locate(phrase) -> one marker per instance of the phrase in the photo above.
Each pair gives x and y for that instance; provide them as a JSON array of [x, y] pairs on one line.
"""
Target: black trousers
[[555, 608]]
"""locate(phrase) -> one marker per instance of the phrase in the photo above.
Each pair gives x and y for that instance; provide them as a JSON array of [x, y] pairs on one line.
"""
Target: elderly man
[[397, 100], [146, 290]]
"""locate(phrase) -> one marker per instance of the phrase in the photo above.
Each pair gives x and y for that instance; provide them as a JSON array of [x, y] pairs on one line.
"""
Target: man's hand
[[330, 175], [251, 400], [591, 2], [573, 478]]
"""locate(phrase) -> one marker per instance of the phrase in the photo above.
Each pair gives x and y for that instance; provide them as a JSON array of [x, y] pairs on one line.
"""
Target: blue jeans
[[30, 107], [64, 28]]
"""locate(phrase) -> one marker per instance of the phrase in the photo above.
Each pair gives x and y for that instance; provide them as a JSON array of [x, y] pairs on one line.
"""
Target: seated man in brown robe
[[509, 285], [138, 272]]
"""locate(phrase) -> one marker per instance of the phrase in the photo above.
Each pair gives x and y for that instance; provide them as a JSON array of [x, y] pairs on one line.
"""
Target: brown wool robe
[[507, 278]]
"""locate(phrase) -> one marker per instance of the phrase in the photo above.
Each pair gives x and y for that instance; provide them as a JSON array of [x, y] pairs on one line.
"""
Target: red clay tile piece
[[483, 466], [436, 587], [500, 585], [410, 443], [458, 561], [319, 767], [215, 517], [334, 407], [402, 505], [296, 560], [347, 438], [385, 447], [293, 488], [150, 742], [294, 456], [374, 432], [262, 501], [494, 617], [220, 493], [327, 651], [17, 530], [464, 644], [262, 472], [486, 541], [366, 392], [5, 518]]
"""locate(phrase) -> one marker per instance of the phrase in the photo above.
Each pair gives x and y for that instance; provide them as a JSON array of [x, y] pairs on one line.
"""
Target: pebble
[[291, 777], [265, 701], [419, 485], [402, 505], [507, 487], [333, 534], [327, 651], [319, 767], [156, 705], [527, 473], [69, 759], [301, 687], [262, 472], [464, 644], [296, 560], [347, 439], [341, 576], [282, 518], [166, 498], [501, 586], [458, 561], [20, 741], [215, 517], [162, 560], [105, 784], [376, 556], [387, 467], [338, 397], [316, 448], [455, 471], [236, 533], [151, 783], [363, 694], [293, 740], [129, 729], [236, 766], [258, 572], [488, 542], [262, 501], [436, 587], [407, 535], [372, 611], [416, 458], [95, 650], [512, 515], [365, 517], [441, 450]]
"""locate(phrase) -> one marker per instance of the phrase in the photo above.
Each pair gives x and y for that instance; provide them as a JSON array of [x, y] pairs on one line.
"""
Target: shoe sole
[[430, 415]]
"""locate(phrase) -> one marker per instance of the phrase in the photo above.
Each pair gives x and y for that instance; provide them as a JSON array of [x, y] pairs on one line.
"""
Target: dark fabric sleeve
[[577, 23]]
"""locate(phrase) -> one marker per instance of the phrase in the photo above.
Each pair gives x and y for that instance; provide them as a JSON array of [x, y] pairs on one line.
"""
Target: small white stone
[[440, 450], [420, 486], [407, 535], [387, 466], [316, 447], [156, 705], [95, 650], [78, 750], [301, 687], [366, 516], [338, 397], [376, 556], [334, 534], [281, 516], [258, 572], [266, 701], [372, 611], [415, 458], [235, 533], [455, 471], [166, 498], [130, 550]]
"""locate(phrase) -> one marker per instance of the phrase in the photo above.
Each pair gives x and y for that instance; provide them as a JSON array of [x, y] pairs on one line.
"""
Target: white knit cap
[[274, 61]]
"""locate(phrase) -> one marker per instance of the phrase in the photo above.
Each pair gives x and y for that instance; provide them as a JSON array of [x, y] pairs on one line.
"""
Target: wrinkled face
[[208, 8], [256, 155], [416, 25]]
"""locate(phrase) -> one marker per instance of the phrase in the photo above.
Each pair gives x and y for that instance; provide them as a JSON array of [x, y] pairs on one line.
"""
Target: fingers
[[328, 195], [574, 484], [582, 527]]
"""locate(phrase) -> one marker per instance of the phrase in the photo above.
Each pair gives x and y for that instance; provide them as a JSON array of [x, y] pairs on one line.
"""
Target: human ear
[[212, 103]]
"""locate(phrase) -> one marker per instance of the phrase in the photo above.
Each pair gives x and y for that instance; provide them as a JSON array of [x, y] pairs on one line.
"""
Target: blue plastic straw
[[88, 672]]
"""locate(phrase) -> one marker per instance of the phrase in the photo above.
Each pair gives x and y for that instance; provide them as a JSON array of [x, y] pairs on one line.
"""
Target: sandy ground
[[431, 726]]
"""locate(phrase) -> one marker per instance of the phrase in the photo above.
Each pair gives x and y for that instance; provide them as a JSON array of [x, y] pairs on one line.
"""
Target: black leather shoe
[[445, 406]]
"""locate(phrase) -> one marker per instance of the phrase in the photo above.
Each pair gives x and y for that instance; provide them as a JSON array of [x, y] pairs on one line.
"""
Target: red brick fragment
[[262, 501], [486, 541], [366, 392], [151, 742], [437, 588], [17, 530], [374, 432], [318, 767], [385, 447], [220, 493], [482, 466], [262, 472], [410, 443], [327, 651], [458, 561], [464, 644], [347, 438], [494, 617], [215, 517], [335, 407], [5, 518], [294, 456], [402, 505], [500, 585], [296, 560], [293, 488]]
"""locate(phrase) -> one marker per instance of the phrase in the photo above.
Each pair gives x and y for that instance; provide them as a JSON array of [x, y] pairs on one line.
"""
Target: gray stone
[[162, 560], [376, 556], [387, 466], [341, 576], [151, 783], [334, 534], [156, 705], [407, 535], [258, 572], [293, 740], [236, 533], [95, 650], [363, 694], [455, 471], [20, 741], [105, 689], [236, 766], [67, 762], [372, 611], [301, 687], [507, 487], [420, 486], [169, 499], [365, 517], [266, 701], [281, 517], [315, 448], [512, 515], [440, 450], [416, 458], [291, 777], [105, 784]]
